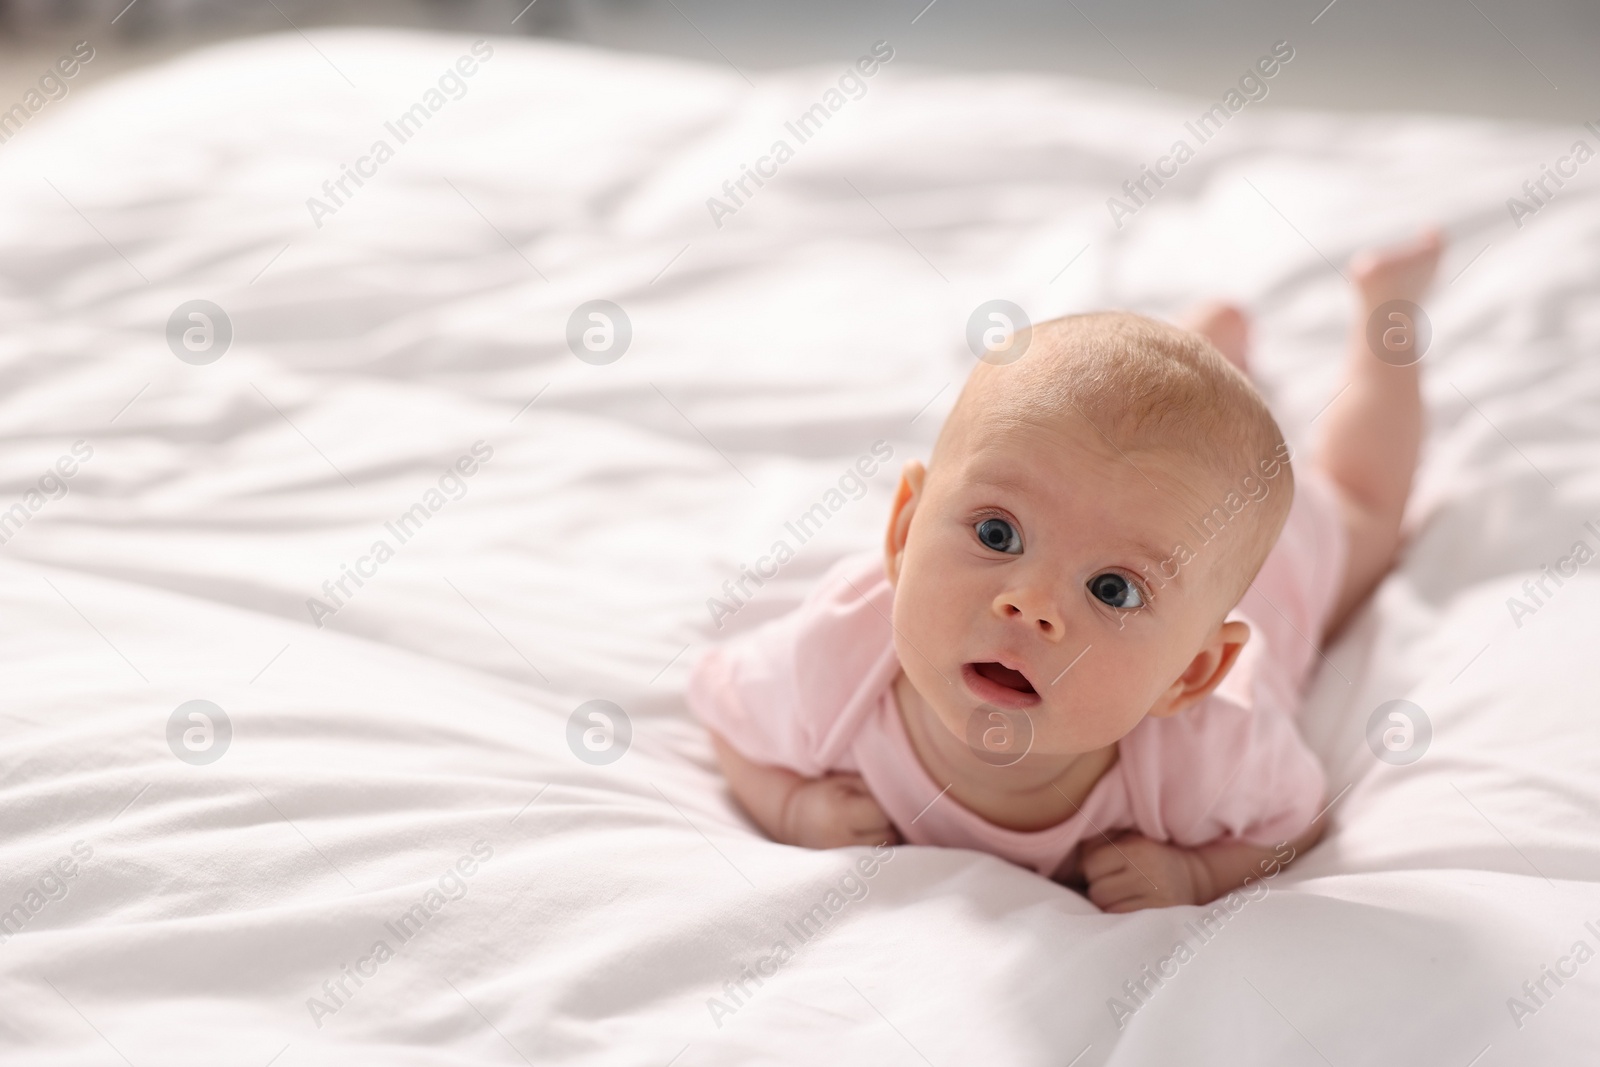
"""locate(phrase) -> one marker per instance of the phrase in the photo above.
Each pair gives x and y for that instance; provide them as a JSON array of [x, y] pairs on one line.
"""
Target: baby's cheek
[[909, 589], [1098, 709], [926, 626], [916, 623]]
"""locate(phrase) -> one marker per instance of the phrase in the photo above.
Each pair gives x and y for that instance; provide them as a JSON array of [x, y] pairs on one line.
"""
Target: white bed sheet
[[431, 712]]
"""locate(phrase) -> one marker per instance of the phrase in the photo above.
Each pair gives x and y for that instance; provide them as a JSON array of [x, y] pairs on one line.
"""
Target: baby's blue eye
[[1115, 590], [1000, 535]]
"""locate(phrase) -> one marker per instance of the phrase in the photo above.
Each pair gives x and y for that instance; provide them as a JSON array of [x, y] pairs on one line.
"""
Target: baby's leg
[[1371, 431]]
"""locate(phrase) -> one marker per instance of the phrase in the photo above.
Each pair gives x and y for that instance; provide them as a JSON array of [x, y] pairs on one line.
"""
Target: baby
[[1098, 606]]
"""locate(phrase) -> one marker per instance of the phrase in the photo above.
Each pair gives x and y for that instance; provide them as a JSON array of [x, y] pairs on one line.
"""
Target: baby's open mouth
[[1003, 675]]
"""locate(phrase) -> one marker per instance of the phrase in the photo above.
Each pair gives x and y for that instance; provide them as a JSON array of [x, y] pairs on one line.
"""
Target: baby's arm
[[830, 812], [1131, 871]]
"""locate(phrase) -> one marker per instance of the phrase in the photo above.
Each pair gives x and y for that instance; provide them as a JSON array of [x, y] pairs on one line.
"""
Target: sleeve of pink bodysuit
[[778, 693]]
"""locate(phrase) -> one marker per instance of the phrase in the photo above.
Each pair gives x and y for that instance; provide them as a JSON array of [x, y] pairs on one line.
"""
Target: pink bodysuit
[[812, 691]]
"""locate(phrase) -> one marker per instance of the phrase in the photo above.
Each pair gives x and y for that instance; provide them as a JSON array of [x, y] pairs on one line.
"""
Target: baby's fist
[[1132, 872], [835, 812]]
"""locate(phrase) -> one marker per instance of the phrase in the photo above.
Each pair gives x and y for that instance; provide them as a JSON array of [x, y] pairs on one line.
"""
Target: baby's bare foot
[[1226, 327], [1398, 272]]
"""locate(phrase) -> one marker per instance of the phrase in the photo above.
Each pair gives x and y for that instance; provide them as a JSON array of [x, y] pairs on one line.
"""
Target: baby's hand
[[835, 812], [1130, 872]]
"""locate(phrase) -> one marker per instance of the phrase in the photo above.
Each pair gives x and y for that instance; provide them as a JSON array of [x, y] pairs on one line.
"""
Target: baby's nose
[[1033, 608]]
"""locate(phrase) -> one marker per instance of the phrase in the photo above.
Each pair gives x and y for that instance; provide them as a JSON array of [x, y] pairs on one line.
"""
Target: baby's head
[[1090, 515]]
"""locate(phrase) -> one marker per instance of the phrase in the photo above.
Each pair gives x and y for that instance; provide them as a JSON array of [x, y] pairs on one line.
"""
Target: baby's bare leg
[[1372, 430]]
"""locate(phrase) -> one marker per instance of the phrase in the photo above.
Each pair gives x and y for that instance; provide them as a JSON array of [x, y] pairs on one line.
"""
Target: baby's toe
[[1398, 272], [1227, 328]]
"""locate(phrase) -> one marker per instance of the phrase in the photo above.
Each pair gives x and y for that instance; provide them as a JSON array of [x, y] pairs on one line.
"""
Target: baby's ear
[[1206, 671], [906, 498]]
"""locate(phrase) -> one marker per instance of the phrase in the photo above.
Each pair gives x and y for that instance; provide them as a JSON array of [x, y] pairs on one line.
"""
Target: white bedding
[[431, 712]]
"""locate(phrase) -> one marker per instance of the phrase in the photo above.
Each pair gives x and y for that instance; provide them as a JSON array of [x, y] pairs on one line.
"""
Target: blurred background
[[1503, 58]]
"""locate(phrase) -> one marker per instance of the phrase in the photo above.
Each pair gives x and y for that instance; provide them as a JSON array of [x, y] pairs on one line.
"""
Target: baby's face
[[1022, 584]]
